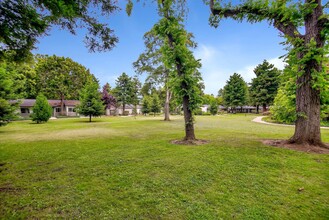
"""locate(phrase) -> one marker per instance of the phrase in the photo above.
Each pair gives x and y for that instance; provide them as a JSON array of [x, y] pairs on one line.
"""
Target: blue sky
[[232, 47]]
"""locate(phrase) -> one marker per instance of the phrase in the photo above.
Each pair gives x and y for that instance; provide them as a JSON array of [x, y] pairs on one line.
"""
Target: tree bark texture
[[166, 105], [62, 104], [307, 129]]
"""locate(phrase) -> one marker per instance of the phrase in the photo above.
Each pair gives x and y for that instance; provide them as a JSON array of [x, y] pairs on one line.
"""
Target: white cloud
[[206, 53], [248, 72], [278, 63]]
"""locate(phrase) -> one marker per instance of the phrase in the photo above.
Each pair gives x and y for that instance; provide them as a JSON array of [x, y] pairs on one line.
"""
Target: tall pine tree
[[91, 103], [235, 92]]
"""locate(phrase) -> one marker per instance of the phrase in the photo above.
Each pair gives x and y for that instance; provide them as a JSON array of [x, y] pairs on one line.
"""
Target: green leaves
[[235, 91], [23, 22], [263, 88], [41, 110], [90, 101]]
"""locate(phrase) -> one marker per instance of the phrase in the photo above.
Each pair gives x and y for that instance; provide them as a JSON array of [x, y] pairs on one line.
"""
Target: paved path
[[259, 120]]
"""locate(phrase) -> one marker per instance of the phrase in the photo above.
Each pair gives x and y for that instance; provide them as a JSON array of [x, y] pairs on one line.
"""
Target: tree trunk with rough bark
[[166, 105], [123, 108], [188, 115], [62, 104], [307, 129], [188, 118], [264, 108]]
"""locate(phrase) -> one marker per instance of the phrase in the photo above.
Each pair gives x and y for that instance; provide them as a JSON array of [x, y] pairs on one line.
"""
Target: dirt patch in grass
[[298, 147], [189, 142]]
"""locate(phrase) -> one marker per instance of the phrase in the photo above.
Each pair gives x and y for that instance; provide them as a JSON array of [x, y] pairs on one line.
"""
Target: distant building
[[26, 106], [129, 110]]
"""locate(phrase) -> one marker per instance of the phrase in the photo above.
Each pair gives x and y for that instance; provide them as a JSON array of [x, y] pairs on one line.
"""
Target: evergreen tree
[[91, 103], [146, 105], [124, 90], [41, 110], [235, 92], [11, 86], [155, 104], [264, 87], [213, 107]]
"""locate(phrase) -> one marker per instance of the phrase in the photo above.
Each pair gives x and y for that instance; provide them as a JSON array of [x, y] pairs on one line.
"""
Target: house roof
[[52, 102]]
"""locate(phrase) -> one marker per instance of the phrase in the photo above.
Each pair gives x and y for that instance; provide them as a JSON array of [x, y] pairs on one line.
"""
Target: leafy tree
[[41, 110], [283, 109], [125, 90], [146, 105], [305, 27], [91, 103], [11, 84], [135, 92], [207, 99], [155, 104], [108, 100], [151, 62], [61, 78], [23, 22], [214, 107], [235, 92], [263, 88], [175, 52]]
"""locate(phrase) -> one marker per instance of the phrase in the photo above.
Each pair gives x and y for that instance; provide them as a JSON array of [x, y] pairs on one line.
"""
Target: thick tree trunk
[[257, 109], [123, 108], [89, 118], [188, 117], [166, 105], [307, 129], [264, 108], [62, 104]]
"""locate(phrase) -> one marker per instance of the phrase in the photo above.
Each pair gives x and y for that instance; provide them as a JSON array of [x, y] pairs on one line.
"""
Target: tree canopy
[[175, 52], [125, 90], [90, 101], [235, 92], [23, 22], [305, 27], [263, 88], [41, 110]]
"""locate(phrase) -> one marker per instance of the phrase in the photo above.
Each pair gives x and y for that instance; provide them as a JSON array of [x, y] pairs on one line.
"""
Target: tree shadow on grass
[[88, 122], [297, 147], [196, 142]]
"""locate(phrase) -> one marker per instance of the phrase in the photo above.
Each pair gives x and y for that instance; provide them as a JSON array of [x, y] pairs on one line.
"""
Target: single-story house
[[129, 110], [26, 106], [242, 109], [204, 108]]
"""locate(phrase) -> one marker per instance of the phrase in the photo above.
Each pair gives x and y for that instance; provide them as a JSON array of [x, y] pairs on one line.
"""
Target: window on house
[[71, 109], [25, 110], [58, 109]]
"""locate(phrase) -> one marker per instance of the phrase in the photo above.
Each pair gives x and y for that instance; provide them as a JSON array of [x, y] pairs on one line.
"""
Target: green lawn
[[126, 168]]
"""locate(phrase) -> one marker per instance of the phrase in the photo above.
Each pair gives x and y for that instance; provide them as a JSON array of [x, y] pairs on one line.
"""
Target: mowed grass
[[126, 168]]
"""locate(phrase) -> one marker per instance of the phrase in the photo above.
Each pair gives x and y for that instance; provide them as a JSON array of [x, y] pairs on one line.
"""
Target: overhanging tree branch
[[256, 13]]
